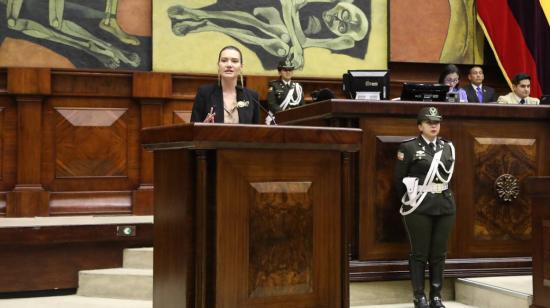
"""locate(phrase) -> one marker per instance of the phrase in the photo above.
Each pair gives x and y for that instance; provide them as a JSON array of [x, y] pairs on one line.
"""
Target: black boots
[[416, 269], [435, 302], [436, 282], [420, 302]]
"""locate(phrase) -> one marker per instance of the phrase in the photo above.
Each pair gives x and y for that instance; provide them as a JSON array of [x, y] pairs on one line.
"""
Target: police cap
[[285, 64], [429, 114]]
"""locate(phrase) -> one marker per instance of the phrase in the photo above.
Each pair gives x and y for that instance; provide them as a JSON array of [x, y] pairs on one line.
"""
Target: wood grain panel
[[237, 172], [174, 253], [497, 219], [81, 203], [53, 255], [181, 117], [546, 249], [76, 156], [89, 155], [281, 239], [3, 80], [494, 148], [29, 81], [538, 189], [152, 85], [92, 84], [380, 226]]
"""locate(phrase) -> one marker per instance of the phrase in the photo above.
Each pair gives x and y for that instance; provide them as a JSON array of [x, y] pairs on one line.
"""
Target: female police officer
[[424, 168]]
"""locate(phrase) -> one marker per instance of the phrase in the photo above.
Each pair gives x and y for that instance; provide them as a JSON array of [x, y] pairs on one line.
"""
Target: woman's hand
[[210, 116]]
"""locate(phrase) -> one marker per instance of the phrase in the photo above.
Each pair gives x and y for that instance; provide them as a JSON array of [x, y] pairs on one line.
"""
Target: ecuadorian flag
[[519, 34]]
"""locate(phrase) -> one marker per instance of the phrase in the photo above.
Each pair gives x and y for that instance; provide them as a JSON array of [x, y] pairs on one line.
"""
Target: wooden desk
[[539, 190], [491, 236], [250, 216]]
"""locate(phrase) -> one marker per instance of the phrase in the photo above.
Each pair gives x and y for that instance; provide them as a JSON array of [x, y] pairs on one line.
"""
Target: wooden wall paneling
[[259, 84], [49, 257], [381, 232], [92, 144], [29, 81], [288, 208], [3, 80], [8, 121], [91, 83], [497, 227], [538, 190], [177, 111], [28, 197], [152, 85], [151, 113], [185, 86]]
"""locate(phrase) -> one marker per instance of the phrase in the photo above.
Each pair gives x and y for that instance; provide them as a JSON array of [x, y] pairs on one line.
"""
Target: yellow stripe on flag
[[545, 4]]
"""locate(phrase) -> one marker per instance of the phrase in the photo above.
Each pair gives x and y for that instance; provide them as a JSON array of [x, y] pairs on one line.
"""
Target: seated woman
[[450, 77], [226, 102]]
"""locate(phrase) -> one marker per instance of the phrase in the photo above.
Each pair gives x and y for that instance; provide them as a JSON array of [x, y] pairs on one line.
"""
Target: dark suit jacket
[[211, 96], [489, 95]]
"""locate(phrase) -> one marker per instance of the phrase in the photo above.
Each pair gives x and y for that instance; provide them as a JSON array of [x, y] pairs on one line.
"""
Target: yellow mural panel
[[322, 38]]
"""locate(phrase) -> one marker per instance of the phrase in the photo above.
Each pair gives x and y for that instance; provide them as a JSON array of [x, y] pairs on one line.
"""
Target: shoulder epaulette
[[408, 140]]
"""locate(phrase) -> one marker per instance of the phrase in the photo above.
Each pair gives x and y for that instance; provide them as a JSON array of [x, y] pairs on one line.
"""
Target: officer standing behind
[[284, 93], [423, 171]]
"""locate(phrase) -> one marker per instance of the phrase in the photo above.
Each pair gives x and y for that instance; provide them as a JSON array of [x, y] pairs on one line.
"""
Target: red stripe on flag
[[508, 42]]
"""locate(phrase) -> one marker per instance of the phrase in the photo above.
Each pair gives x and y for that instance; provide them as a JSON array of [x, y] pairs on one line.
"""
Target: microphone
[[270, 115]]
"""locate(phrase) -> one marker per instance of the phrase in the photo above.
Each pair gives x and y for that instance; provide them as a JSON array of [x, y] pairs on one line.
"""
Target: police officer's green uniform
[[278, 93], [430, 223]]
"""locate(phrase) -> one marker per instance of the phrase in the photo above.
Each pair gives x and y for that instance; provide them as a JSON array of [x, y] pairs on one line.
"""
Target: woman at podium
[[226, 101]]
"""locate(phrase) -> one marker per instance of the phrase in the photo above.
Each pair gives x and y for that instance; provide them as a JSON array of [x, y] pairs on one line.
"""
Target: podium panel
[[277, 214], [245, 223]]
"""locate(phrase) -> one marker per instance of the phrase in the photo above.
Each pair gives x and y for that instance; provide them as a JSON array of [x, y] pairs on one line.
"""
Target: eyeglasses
[[451, 80]]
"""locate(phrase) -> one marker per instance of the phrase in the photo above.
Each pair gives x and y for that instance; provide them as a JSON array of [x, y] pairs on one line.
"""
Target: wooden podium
[[250, 216], [539, 190]]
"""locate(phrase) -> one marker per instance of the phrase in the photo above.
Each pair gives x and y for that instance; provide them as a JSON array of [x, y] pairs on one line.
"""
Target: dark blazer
[[489, 95], [211, 96]]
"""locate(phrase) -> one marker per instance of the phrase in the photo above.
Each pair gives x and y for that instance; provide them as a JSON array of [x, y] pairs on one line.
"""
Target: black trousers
[[428, 235]]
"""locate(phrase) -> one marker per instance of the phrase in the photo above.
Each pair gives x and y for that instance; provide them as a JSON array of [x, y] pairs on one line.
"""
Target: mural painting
[[113, 34], [435, 31], [320, 37]]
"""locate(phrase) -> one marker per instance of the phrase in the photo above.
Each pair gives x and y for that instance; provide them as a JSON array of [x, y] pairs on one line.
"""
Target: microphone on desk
[[270, 119]]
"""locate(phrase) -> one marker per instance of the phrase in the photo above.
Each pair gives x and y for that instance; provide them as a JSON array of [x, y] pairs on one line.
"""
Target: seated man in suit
[[521, 88], [476, 91]]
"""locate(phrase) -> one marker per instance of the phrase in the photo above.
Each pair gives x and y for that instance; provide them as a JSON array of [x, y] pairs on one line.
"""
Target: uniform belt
[[435, 188]]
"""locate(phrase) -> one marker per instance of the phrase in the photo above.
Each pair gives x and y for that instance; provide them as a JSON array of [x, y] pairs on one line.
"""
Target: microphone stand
[[269, 113]]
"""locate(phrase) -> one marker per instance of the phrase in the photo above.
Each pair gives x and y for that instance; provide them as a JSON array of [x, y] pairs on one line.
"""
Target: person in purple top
[[450, 76]]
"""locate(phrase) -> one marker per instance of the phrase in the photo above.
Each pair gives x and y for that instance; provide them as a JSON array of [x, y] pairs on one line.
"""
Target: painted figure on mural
[[66, 23], [276, 29], [461, 36]]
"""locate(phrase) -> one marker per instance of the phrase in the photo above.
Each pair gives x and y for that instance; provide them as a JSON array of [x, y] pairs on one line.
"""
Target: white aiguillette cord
[[415, 200]]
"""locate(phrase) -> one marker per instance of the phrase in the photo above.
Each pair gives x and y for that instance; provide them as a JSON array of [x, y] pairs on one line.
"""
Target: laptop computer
[[545, 99]]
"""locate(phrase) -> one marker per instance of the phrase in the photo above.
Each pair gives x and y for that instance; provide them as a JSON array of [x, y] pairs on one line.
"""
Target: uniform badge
[[420, 154], [400, 155]]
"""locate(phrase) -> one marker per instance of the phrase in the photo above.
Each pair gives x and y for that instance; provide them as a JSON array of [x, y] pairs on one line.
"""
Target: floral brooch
[[241, 104]]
